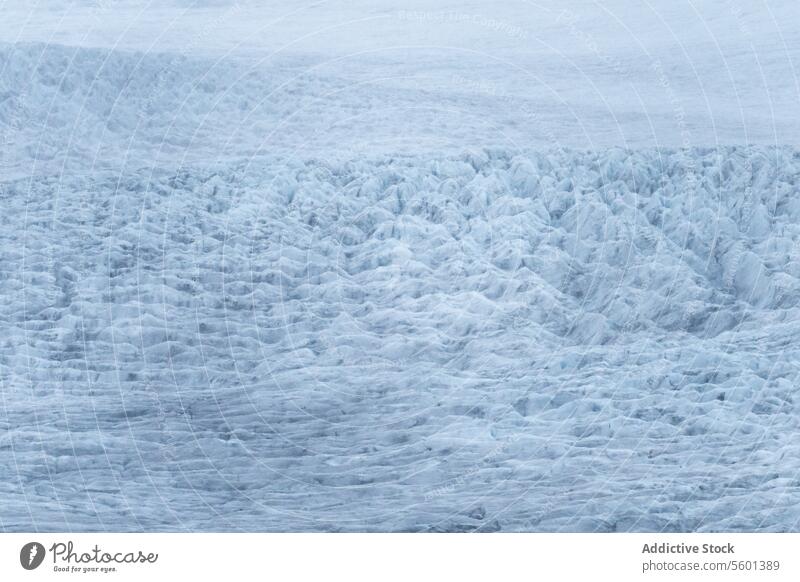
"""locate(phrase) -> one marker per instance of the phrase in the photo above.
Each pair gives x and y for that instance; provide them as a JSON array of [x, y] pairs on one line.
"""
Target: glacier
[[238, 296]]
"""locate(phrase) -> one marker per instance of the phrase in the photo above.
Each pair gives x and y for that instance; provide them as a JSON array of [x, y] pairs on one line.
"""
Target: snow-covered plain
[[362, 267]]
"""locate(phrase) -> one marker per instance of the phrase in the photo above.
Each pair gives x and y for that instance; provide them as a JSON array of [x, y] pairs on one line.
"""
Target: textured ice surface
[[577, 341], [289, 294]]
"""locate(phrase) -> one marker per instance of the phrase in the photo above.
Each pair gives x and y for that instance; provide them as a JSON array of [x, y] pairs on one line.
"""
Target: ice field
[[366, 267]]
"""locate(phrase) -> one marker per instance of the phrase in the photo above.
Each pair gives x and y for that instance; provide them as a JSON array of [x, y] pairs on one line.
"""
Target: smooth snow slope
[[572, 73], [262, 282]]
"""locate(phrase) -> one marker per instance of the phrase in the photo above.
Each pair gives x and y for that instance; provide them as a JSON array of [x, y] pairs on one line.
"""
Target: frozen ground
[[418, 269]]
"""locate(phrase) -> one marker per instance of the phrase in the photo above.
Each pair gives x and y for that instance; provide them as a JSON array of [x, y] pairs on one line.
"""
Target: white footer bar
[[380, 557]]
